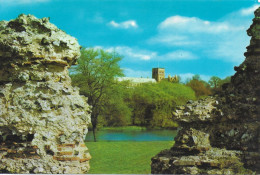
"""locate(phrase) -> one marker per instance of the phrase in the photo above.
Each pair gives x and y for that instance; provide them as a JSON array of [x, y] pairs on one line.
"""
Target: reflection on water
[[139, 135]]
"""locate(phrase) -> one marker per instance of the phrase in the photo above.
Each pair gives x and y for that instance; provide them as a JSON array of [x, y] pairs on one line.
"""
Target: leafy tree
[[214, 82], [225, 80], [179, 79], [196, 77], [153, 103], [95, 74], [200, 87], [117, 111]]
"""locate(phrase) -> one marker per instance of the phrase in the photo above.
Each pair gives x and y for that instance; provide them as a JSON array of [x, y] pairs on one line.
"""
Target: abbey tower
[[158, 74]]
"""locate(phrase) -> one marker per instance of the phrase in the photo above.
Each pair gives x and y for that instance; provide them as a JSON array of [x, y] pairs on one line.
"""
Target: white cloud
[[15, 2], [173, 40], [231, 48], [135, 53], [145, 55], [100, 47], [178, 55], [137, 73], [232, 45], [185, 76], [189, 31], [124, 25], [131, 53], [249, 11], [225, 39], [193, 25], [205, 77]]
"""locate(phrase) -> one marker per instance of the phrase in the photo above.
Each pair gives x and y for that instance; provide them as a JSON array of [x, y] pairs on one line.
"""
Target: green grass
[[124, 157]]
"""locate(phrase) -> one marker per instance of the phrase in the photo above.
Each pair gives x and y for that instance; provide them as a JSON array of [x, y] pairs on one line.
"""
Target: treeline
[[203, 88], [120, 104], [149, 104]]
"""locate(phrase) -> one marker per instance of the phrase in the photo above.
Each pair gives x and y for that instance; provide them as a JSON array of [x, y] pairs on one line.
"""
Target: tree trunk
[[94, 125], [94, 133]]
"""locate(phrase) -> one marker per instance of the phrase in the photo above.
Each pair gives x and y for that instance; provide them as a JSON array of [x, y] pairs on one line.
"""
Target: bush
[[200, 88]]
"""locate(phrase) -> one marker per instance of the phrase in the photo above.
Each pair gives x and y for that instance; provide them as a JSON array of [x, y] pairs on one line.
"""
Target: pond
[[133, 135]]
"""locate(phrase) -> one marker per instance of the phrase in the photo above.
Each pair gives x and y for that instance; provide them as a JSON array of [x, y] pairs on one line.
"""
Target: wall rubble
[[220, 134], [43, 119]]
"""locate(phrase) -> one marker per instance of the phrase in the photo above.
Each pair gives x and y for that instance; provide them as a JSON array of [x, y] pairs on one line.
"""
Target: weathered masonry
[[221, 134], [43, 119]]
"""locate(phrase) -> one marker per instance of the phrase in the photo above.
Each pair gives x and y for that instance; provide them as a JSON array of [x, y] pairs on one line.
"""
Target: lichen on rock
[[43, 119], [220, 134]]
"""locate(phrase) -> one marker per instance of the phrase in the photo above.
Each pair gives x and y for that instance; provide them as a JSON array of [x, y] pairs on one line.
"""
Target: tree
[[196, 77], [179, 79], [214, 82], [117, 111], [94, 75], [153, 103], [200, 87], [225, 80]]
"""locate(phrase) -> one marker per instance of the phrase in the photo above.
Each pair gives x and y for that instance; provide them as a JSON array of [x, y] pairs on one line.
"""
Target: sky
[[186, 37]]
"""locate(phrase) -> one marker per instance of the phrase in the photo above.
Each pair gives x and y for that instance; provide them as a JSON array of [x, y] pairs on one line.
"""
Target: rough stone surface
[[43, 119], [220, 134]]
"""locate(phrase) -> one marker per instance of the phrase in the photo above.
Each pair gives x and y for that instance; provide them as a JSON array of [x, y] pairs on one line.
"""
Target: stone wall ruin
[[220, 134], [43, 119]]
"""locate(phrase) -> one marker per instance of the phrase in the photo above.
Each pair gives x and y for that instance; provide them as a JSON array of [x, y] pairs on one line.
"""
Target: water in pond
[[133, 135]]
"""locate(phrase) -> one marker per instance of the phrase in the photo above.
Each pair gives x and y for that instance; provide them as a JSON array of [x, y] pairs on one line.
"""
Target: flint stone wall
[[43, 119], [221, 134]]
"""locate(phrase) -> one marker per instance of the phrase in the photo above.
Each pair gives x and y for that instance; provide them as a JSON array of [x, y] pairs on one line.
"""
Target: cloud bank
[[249, 11], [130, 53], [123, 25], [225, 39], [136, 54], [137, 73]]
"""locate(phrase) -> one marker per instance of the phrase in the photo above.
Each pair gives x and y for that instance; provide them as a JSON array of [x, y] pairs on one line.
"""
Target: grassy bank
[[124, 157]]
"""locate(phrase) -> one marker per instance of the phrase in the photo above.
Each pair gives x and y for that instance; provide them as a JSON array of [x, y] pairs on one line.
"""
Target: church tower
[[158, 74]]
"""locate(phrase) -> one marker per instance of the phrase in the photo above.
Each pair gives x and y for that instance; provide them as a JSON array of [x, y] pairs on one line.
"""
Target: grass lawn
[[124, 157]]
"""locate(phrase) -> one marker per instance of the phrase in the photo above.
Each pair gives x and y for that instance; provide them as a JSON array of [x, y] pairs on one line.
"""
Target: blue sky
[[186, 37]]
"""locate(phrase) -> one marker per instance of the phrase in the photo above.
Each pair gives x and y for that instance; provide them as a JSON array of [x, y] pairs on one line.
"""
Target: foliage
[[196, 77], [200, 87], [216, 83], [117, 111], [117, 103], [225, 80], [203, 88], [95, 74], [152, 103], [124, 157]]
